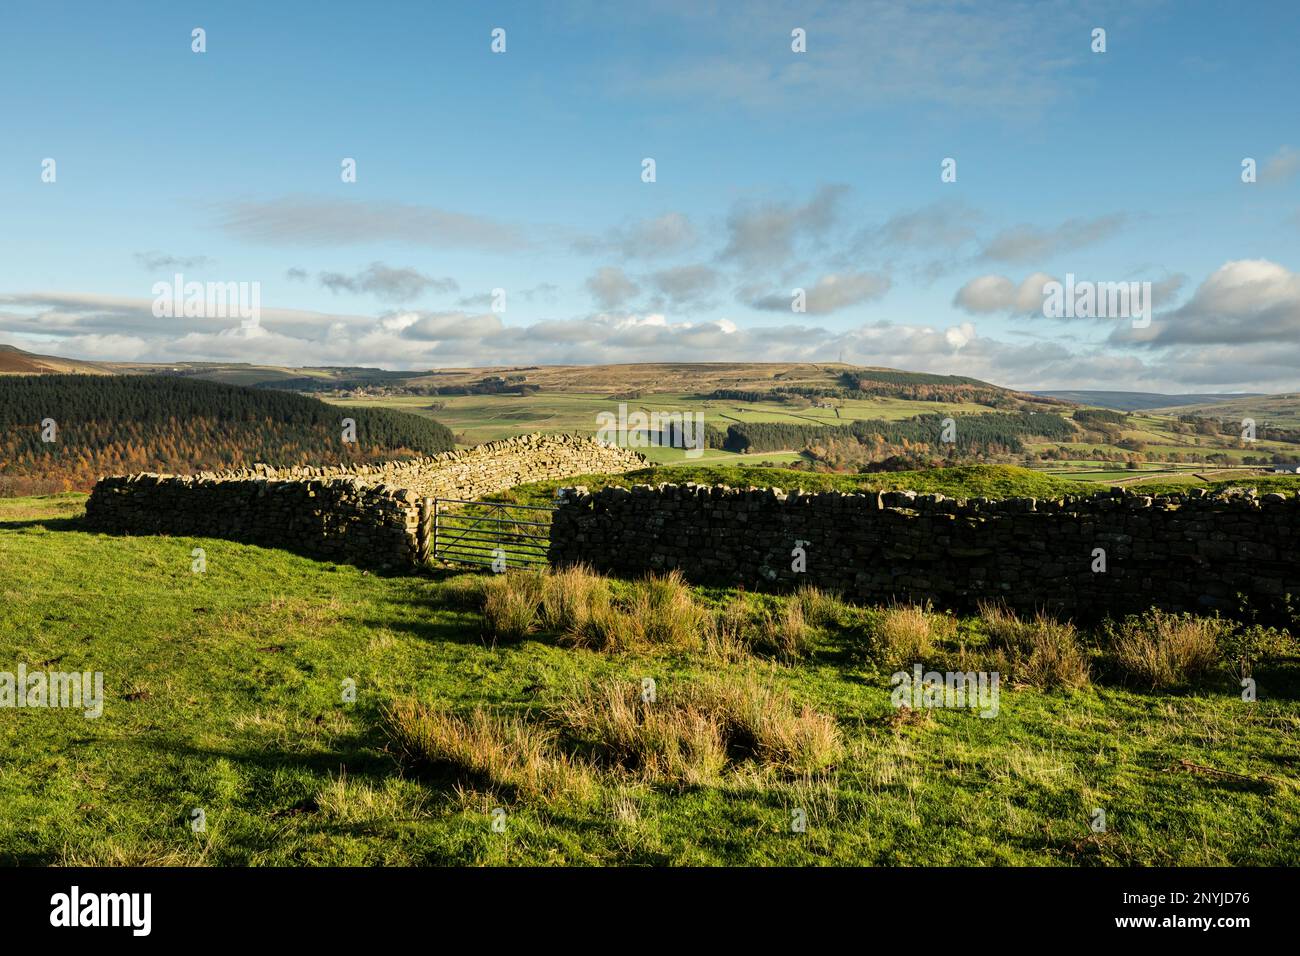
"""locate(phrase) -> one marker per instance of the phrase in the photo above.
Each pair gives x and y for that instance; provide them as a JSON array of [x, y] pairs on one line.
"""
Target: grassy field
[[479, 418], [224, 692], [965, 481]]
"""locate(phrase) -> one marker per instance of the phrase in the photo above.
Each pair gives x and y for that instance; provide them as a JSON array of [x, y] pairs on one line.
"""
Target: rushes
[[1041, 652], [1164, 650], [482, 749], [690, 737], [904, 634]]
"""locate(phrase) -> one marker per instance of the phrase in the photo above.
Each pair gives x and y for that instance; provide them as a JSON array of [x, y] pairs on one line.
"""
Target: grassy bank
[[225, 692]]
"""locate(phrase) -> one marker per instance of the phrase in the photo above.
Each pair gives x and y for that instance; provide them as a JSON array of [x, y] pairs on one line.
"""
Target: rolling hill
[[1140, 401], [60, 432], [14, 361], [813, 415]]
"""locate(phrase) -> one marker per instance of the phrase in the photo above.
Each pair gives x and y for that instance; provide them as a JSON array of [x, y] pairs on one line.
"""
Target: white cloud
[[1281, 166], [830, 293], [611, 287], [998, 294], [314, 221], [1244, 301]]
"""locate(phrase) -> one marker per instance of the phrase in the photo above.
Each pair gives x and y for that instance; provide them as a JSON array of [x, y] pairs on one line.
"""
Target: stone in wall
[[1190, 551], [365, 514]]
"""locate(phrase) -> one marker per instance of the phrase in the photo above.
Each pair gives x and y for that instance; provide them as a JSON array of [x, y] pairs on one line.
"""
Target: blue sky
[[775, 170]]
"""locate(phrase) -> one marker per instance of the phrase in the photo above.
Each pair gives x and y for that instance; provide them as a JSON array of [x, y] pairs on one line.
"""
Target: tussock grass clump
[[690, 737], [730, 637], [1163, 650], [675, 619], [820, 608], [762, 721], [678, 743], [483, 749], [611, 628], [520, 603], [512, 604], [904, 634], [785, 634], [1041, 652], [739, 629], [570, 596], [660, 611], [731, 634]]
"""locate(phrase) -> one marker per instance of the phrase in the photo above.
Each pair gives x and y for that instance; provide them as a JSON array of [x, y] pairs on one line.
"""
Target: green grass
[[480, 418], [965, 481], [224, 693]]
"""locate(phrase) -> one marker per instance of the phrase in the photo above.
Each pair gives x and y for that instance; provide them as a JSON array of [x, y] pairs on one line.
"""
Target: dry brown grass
[[511, 604], [786, 632], [660, 612], [763, 721], [820, 608], [1165, 650], [678, 744], [570, 596], [905, 634], [689, 737], [486, 750], [1041, 652], [729, 639]]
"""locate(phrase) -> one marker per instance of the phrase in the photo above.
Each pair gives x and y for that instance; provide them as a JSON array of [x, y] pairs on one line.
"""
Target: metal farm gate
[[490, 532]]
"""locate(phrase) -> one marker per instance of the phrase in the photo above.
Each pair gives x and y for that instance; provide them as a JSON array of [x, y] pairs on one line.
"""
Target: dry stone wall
[[1190, 551], [367, 514]]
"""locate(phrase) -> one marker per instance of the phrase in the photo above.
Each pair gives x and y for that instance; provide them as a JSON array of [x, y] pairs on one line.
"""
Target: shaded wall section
[[375, 515], [1190, 551]]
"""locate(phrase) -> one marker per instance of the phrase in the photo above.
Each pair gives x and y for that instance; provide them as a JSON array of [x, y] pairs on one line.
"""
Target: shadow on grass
[[382, 570], [363, 755], [433, 621], [75, 523]]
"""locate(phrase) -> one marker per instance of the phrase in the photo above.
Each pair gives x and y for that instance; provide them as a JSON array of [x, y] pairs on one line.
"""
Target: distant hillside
[[14, 361], [1138, 401], [111, 424], [804, 378], [1277, 410]]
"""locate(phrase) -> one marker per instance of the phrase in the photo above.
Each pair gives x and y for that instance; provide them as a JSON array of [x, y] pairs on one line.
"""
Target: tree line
[[989, 433], [61, 432]]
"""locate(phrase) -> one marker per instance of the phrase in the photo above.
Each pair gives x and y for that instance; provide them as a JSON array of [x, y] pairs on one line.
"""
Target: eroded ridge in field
[[371, 514]]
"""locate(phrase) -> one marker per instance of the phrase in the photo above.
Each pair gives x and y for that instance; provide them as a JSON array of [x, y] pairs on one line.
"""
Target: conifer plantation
[[113, 424]]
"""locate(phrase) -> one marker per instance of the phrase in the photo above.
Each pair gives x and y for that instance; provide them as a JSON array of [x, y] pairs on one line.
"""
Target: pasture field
[[479, 418], [223, 694]]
